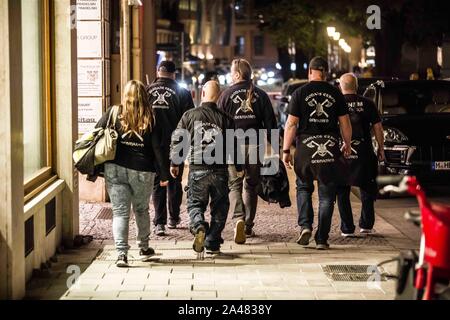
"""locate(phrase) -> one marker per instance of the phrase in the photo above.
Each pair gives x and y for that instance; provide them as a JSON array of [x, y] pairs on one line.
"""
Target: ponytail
[[244, 69], [250, 94]]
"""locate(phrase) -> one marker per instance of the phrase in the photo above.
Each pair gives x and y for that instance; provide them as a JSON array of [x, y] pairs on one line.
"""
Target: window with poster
[[37, 96]]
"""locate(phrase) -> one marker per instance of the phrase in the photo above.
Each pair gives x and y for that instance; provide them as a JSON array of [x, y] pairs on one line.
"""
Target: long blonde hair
[[136, 114], [245, 71]]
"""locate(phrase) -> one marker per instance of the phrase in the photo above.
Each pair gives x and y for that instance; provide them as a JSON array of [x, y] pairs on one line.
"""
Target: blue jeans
[[128, 187], [202, 185], [327, 198], [367, 219]]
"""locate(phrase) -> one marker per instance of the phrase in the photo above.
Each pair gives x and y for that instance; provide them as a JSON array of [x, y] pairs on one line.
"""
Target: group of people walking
[[153, 122]]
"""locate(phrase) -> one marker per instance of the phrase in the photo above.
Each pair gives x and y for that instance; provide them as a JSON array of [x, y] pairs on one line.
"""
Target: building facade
[[38, 184], [63, 62], [249, 42]]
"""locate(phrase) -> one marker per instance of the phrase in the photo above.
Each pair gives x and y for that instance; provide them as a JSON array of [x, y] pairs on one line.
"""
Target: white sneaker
[[347, 235], [365, 232]]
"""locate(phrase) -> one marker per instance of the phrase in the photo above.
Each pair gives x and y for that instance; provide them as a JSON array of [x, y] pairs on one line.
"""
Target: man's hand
[[346, 150], [287, 159], [174, 172], [381, 156], [164, 183], [240, 174]]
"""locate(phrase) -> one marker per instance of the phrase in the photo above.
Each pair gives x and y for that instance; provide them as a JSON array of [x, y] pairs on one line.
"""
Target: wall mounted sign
[[90, 78], [89, 34], [89, 9], [89, 112]]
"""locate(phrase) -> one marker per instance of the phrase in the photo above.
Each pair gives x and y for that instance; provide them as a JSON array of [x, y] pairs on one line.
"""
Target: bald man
[[363, 161], [202, 131]]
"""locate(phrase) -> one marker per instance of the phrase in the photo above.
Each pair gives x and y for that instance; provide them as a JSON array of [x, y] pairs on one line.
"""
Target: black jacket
[[169, 102], [275, 188], [206, 126], [140, 153], [259, 116]]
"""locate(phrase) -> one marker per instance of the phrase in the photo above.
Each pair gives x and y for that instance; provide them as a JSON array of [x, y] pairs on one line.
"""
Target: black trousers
[[171, 195], [368, 198], [208, 186]]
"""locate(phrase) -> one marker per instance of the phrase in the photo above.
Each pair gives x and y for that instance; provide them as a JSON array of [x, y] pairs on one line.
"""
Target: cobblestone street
[[269, 266]]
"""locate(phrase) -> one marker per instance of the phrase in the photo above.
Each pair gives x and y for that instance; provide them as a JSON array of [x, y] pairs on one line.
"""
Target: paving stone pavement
[[265, 270], [269, 266]]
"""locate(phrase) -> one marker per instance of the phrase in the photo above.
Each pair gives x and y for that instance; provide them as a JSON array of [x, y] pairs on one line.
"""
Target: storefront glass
[[33, 110]]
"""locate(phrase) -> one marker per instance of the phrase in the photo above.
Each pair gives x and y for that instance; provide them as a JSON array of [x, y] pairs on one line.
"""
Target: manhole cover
[[105, 214], [353, 272]]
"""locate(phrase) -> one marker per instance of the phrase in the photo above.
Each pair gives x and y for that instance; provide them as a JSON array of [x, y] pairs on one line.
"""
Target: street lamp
[[331, 31], [336, 36]]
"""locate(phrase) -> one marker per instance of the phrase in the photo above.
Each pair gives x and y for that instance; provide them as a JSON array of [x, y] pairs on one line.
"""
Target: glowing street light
[[337, 36], [331, 31]]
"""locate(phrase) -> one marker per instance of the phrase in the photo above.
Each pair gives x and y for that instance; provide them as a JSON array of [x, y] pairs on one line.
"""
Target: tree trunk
[[300, 59], [388, 45], [285, 62]]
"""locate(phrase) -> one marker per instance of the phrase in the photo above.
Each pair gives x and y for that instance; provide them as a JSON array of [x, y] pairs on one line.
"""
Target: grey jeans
[[128, 187], [242, 203]]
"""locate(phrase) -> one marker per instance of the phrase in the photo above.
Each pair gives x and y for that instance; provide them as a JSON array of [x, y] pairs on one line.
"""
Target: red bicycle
[[425, 276]]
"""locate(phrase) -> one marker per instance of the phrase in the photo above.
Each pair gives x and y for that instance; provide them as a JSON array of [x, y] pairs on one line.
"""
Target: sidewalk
[[270, 266]]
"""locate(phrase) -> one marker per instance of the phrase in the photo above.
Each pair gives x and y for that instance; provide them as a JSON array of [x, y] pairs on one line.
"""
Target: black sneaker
[[173, 224], [146, 254], [199, 240], [305, 235], [122, 261], [160, 230], [249, 233], [210, 250], [322, 246]]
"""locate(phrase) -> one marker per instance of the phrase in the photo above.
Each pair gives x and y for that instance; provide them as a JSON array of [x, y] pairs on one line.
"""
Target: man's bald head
[[211, 91], [348, 83]]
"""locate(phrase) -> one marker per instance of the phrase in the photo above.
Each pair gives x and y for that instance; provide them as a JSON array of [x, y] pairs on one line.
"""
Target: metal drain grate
[[105, 214], [353, 272]]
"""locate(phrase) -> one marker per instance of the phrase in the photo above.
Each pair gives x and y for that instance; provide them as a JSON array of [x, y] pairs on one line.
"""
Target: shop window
[[239, 49], [36, 95], [258, 42]]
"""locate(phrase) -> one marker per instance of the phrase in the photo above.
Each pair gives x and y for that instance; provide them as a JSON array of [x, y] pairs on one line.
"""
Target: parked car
[[416, 121], [282, 101]]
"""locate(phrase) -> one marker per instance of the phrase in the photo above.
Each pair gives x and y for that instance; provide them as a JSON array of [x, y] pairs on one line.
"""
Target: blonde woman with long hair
[[130, 176]]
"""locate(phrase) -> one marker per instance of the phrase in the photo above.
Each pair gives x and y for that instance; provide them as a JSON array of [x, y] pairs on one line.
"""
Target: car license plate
[[440, 165]]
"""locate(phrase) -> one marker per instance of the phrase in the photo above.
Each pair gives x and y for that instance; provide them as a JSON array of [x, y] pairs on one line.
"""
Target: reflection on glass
[[33, 116]]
